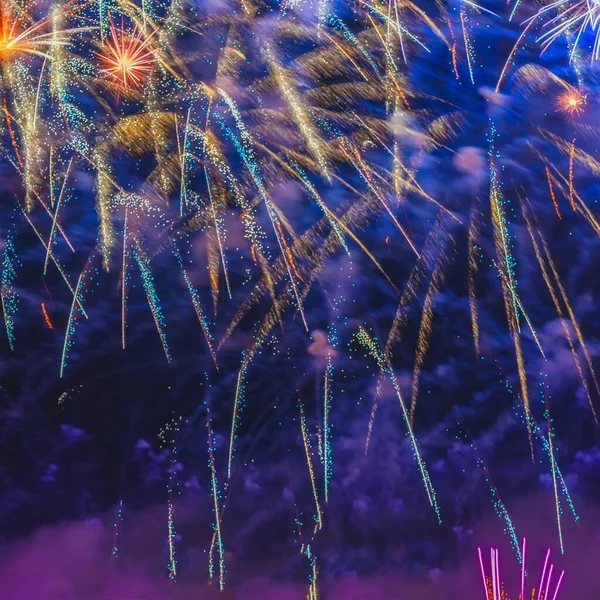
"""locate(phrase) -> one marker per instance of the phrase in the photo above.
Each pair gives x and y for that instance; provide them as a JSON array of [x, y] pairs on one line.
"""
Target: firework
[[572, 102], [127, 57], [573, 17]]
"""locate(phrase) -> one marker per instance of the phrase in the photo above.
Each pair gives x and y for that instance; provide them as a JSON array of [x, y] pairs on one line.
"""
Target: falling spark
[[571, 186], [307, 450], [552, 194], [153, 301], [216, 498], [46, 317]]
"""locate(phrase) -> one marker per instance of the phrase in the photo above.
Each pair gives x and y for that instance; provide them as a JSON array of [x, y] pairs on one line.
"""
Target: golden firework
[[16, 39], [572, 102]]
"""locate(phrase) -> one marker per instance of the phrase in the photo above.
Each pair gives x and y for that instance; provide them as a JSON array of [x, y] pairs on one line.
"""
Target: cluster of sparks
[[79, 92]]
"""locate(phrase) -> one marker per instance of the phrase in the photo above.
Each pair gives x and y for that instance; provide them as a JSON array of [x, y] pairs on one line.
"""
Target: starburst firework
[[572, 102], [127, 56]]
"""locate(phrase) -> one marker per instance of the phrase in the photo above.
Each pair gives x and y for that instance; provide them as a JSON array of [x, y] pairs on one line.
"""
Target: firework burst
[[572, 20], [127, 57], [572, 102], [16, 39]]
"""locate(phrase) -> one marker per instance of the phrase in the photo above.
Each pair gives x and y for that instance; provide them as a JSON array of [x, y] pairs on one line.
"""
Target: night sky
[[299, 299]]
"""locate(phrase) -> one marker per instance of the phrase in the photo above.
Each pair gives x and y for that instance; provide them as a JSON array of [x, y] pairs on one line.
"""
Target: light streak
[[307, 450], [124, 280], [8, 293], [539, 596], [571, 188], [468, 47], [552, 194], [46, 317], [523, 571], [437, 279], [216, 498], [153, 301]]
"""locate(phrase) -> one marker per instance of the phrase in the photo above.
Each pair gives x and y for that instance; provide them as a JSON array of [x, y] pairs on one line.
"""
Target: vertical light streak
[[328, 379], [235, 416], [172, 489], [218, 232], [307, 450], [468, 49], [571, 187], [37, 95], [507, 274], [473, 269], [8, 293], [124, 280], [523, 571], [11, 132], [184, 159], [543, 574], [496, 573], [312, 561], [216, 497], [371, 422], [172, 565], [482, 569], [555, 484], [453, 51], [104, 184]]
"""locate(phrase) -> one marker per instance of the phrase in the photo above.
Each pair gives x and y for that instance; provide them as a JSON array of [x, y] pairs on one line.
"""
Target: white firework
[[573, 19]]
